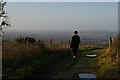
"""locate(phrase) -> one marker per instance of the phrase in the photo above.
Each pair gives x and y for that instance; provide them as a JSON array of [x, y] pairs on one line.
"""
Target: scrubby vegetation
[[108, 61], [105, 68], [28, 58], [115, 49], [25, 40], [115, 52], [22, 59]]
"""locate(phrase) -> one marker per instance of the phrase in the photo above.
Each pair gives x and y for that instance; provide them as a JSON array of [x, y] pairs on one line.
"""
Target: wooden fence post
[[69, 42], [110, 42], [51, 41], [61, 42], [39, 41]]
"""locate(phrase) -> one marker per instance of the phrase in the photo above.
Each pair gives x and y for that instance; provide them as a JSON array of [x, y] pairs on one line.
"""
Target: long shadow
[[88, 49], [39, 74], [80, 55], [71, 63]]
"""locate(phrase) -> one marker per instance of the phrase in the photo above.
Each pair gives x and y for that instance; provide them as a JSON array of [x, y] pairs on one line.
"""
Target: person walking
[[75, 44]]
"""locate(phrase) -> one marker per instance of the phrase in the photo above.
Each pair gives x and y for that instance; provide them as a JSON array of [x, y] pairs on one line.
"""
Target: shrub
[[25, 40]]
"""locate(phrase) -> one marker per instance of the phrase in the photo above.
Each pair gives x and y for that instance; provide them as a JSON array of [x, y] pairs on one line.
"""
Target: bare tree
[[4, 18]]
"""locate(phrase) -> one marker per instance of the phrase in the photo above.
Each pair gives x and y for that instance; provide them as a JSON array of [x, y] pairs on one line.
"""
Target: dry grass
[[19, 52], [36, 56], [113, 52], [56, 46]]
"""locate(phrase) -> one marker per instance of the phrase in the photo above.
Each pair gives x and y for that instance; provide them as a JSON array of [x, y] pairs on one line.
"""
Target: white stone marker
[[86, 76], [93, 55]]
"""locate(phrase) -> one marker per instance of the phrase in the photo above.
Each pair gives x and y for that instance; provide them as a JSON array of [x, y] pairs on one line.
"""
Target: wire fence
[[68, 42]]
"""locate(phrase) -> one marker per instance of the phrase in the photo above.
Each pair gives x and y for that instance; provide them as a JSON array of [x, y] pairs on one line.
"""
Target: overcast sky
[[63, 16]]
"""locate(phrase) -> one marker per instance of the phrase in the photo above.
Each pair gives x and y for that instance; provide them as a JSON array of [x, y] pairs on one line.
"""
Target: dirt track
[[82, 65]]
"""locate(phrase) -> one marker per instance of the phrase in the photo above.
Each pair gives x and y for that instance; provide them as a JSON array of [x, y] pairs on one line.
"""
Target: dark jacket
[[75, 41]]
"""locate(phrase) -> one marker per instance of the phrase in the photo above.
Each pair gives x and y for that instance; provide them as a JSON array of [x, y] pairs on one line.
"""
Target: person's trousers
[[74, 50]]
